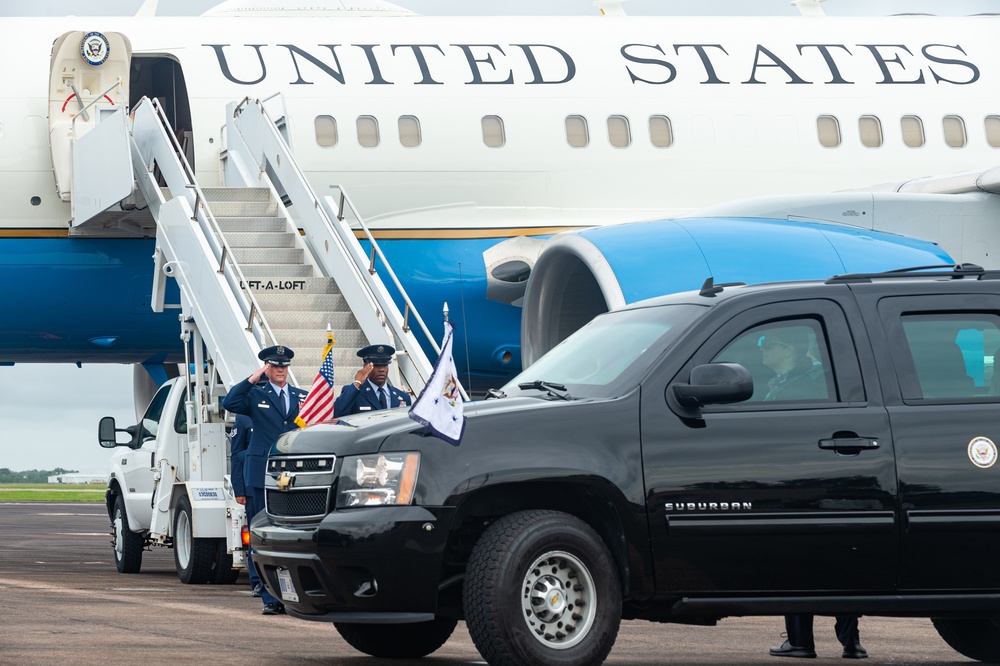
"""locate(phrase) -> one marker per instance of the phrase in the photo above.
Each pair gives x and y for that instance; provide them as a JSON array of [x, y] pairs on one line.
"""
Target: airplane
[[468, 146]]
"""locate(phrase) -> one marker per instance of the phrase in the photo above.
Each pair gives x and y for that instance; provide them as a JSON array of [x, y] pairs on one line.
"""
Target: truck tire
[[397, 641], [192, 557], [976, 638], [541, 588], [128, 545], [223, 572]]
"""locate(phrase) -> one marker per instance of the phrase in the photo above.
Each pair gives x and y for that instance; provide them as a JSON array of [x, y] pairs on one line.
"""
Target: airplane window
[[326, 131], [993, 130], [954, 131], [618, 131], [828, 129], [913, 131], [871, 131], [409, 131], [577, 133], [368, 131], [660, 131], [493, 134]]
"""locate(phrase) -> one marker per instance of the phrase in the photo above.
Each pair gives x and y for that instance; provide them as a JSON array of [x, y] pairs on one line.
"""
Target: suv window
[[788, 360], [954, 353]]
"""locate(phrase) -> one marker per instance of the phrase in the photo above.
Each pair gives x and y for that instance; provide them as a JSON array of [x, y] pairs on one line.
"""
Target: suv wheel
[[541, 587], [977, 638]]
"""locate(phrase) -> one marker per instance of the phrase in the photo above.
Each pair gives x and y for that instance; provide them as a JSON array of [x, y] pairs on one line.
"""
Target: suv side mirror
[[713, 384], [106, 433]]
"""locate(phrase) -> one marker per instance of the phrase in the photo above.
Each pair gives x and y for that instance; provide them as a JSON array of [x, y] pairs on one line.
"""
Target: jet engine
[[581, 274]]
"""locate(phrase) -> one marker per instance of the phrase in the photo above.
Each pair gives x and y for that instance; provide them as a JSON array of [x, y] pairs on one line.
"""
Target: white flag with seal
[[439, 406]]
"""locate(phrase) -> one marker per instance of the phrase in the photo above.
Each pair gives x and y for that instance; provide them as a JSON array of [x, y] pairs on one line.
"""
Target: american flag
[[318, 405]]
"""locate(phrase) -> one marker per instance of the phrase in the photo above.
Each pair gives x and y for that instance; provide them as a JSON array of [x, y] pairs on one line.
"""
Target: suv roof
[[711, 290]]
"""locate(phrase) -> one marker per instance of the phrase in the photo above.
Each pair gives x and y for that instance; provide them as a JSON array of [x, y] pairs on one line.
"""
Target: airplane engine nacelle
[[582, 274]]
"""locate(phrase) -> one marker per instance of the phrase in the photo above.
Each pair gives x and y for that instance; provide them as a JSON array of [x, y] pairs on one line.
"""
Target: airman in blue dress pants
[[239, 440], [272, 409]]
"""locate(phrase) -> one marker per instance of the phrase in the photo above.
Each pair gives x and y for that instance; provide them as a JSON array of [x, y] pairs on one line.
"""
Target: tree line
[[31, 475]]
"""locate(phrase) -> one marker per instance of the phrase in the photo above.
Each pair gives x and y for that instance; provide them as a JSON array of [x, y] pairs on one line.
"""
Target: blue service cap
[[277, 355], [377, 354]]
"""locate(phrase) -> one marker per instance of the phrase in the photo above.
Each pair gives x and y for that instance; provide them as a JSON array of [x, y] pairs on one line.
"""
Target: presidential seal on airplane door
[[95, 48]]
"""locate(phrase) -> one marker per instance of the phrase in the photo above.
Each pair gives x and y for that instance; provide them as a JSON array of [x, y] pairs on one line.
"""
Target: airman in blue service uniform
[[239, 440], [272, 408], [369, 391]]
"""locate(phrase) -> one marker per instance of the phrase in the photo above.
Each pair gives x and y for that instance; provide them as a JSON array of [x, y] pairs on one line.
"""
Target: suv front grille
[[303, 503]]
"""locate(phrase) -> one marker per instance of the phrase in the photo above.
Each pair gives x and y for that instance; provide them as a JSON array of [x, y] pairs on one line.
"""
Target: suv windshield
[[607, 356]]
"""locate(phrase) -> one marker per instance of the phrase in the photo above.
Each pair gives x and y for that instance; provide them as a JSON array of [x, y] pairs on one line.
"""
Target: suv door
[[946, 422], [792, 490]]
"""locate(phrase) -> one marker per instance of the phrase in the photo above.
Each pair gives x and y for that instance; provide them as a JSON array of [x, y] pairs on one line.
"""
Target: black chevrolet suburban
[[664, 463]]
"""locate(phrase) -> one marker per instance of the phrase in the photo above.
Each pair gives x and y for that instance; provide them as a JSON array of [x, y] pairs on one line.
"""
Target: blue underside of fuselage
[[77, 300], [71, 300]]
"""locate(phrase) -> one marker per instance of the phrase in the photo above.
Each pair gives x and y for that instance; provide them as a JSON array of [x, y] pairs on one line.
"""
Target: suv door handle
[[848, 444]]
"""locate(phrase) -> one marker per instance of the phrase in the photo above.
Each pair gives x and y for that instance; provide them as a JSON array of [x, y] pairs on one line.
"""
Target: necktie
[[381, 398], [283, 401]]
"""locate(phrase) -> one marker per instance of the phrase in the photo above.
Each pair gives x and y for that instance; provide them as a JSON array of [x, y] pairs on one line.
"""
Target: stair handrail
[[223, 254]]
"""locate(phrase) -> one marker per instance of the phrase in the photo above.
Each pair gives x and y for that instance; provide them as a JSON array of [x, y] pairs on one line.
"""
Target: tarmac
[[62, 601]]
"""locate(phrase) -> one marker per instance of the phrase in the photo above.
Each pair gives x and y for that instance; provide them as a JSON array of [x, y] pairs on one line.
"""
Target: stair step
[[260, 224], [262, 240], [243, 208], [343, 320], [273, 292], [294, 301], [258, 194], [302, 338], [252, 255], [273, 274]]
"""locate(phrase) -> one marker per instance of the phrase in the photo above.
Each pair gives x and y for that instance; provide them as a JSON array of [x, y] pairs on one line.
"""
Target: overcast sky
[[36, 436]]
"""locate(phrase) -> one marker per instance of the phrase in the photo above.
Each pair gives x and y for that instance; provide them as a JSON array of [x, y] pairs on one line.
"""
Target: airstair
[[248, 277]]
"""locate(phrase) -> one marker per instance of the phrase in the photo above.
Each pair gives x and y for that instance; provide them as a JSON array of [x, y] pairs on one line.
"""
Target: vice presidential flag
[[318, 405], [439, 406]]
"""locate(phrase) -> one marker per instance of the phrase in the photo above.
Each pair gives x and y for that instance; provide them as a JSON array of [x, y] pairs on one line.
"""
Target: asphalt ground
[[63, 602]]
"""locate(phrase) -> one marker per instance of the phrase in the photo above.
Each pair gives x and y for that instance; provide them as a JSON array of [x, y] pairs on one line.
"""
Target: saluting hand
[[361, 375]]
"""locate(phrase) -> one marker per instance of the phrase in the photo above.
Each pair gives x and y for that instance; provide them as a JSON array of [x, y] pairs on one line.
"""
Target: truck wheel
[[128, 544], [223, 572], [192, 557], [397, 641], [541, 588], [976, 638]]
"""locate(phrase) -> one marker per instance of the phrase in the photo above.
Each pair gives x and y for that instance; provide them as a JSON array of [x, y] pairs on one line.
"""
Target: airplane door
[[88, 95]]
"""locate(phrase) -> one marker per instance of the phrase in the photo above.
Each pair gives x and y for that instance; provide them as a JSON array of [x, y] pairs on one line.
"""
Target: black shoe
[[786, 649], [855, 652], [255, 592], [273, 609]]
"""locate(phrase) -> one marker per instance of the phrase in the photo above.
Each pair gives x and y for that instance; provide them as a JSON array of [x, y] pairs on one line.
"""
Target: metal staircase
[[248, 277]]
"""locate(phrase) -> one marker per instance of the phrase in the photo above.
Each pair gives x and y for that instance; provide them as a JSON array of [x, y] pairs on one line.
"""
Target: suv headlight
[[377, 480]]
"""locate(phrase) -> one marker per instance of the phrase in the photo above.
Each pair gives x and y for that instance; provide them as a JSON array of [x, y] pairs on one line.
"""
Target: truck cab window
[[151, 419]]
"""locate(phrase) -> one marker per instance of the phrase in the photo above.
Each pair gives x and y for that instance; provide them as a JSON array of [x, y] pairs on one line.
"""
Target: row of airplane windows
[[661, 133]]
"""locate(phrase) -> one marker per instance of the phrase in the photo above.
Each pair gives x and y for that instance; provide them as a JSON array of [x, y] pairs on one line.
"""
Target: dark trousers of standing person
[[800, 630], [255, 503]]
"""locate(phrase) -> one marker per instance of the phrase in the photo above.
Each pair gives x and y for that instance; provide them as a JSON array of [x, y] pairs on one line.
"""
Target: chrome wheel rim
[[558, 600]]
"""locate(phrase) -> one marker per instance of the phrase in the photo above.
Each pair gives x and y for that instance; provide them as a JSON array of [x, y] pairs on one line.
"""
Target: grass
[[49, 492]]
